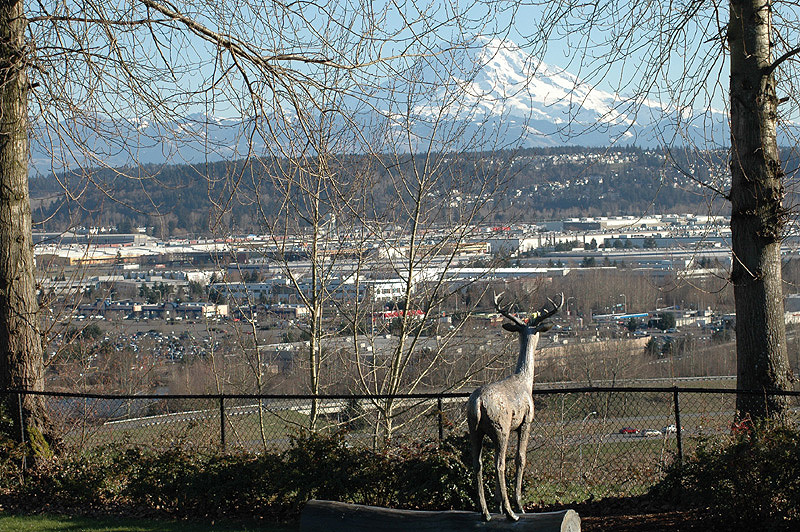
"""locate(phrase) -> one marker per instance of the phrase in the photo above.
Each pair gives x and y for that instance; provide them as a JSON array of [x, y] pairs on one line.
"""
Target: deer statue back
[[498, 408]]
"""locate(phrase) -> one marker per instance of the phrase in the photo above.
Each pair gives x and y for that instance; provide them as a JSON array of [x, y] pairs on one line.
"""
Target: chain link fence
[[585, 442]]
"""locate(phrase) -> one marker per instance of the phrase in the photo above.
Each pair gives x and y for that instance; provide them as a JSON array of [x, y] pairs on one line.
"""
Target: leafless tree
[[671, 60], [437, 206], [100, 82]]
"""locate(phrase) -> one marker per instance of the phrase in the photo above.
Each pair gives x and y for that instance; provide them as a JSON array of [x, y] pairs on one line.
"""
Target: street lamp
[[624, 303]]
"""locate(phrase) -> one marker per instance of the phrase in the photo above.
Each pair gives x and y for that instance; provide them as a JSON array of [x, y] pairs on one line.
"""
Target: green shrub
[[420, 476], [322, 467], [435, 476], [90, 481], [11, 454], [167, 481], [752, 478], [241, 484], [181, 482]]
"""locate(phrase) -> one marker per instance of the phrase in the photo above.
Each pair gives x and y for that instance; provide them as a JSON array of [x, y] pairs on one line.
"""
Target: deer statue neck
[[528, 334], [525, 361]]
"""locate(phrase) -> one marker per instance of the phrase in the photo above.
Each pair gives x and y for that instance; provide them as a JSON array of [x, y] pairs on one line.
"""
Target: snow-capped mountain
[[535, 104], [492, 95]]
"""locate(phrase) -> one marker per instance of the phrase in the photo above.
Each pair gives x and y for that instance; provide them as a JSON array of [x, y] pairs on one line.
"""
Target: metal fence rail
[[585, 442]]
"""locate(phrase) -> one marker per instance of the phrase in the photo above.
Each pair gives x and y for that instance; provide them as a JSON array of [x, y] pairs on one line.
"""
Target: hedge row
[[184, 483]]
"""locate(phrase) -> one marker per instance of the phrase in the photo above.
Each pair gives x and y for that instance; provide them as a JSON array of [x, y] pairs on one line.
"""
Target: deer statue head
[[536, 321]]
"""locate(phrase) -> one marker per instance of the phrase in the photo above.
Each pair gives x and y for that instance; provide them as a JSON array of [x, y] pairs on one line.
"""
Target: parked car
[[628, 430], [651, 433], [670, 429]]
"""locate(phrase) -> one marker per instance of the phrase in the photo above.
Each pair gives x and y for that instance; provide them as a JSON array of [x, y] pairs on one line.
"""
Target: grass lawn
[[40, 523]]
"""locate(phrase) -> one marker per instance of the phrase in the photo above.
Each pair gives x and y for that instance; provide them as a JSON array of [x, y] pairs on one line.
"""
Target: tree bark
[[21, 362], [757, 214]]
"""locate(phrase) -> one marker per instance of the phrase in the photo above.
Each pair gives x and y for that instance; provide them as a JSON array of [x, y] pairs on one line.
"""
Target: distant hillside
[[528, 185]]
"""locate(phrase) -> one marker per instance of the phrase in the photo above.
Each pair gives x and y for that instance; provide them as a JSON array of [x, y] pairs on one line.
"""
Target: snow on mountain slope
[[549, 105], [514, 99]]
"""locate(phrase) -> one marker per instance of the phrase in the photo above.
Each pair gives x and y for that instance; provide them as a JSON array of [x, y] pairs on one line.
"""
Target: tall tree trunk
[[757, 215], [21, 363]]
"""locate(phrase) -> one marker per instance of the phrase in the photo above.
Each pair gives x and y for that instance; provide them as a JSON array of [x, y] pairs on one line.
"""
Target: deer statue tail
[[474, 409]]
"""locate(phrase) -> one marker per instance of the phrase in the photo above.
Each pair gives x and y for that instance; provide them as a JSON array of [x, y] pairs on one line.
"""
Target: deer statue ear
[[544, 327], [510, 327]]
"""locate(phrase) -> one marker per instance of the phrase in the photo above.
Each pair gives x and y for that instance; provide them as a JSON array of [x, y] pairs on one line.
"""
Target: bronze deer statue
[[498, 408]]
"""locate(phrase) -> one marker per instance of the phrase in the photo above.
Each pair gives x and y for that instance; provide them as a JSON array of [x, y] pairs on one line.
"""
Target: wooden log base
[[330, 516]]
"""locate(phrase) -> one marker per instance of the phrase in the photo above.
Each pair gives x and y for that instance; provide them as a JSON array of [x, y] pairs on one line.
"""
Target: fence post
[[22, 431], [222, 422], [441, 417], [678, 428]]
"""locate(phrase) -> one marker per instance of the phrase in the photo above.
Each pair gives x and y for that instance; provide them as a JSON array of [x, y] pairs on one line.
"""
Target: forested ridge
[[531, 184]]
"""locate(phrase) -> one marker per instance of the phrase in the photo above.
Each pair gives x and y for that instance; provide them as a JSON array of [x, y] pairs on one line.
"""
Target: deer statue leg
[[498, 494], [500, 467], [524, 432], [476, 439]]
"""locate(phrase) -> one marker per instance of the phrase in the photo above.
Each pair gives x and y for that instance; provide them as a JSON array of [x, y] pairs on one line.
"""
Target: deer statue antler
[[506, 312], [537, 318]]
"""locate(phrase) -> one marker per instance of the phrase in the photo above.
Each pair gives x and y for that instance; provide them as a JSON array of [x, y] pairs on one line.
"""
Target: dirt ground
[[640, 514], [672, 521], [629, 515]]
